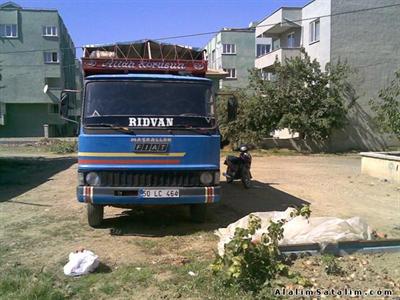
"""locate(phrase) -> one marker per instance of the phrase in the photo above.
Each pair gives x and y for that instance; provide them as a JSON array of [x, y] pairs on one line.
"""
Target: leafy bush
[[387, 107], [304, 211], [243, 129], [63, 147], [301, 97], [331, 265], [250, 264]]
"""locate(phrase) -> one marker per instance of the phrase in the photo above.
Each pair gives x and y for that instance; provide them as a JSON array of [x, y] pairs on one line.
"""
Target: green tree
[[387, 107], [242, 128], [301, 97]]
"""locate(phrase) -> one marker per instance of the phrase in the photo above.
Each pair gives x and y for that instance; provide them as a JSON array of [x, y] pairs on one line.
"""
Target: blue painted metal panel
[[115, 152], [191, 152]]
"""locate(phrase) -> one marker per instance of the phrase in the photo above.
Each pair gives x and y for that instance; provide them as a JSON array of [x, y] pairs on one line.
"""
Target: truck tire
[[198, 212], [95, 214]]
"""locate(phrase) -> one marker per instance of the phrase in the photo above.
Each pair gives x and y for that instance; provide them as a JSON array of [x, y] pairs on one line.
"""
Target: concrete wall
[[24, 72], [242, 61], [317, 50], [27, 120], [385, 166], [370, 42], [214, 45], [265, 24]]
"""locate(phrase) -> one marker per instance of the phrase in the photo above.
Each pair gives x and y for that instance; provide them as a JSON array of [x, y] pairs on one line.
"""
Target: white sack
[[81, 263], [299, 230]]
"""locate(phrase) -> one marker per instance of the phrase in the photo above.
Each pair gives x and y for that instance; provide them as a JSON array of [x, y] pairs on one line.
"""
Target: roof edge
[[283, 7]]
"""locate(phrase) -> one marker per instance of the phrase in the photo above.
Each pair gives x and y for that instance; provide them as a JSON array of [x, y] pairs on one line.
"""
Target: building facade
[[233, 51], [37, 61], [362, 33]]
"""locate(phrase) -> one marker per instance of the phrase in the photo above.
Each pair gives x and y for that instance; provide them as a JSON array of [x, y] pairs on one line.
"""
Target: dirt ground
[[41, 221]]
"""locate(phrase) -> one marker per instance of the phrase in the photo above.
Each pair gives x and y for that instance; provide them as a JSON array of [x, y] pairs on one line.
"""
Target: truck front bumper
[[134, 196]]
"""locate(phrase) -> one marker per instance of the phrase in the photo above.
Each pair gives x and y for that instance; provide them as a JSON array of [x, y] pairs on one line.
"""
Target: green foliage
[[244, 128], [248, 264], [60, 146], [387, 107], [310, 100], [304, 211], [331, 265], [22, 283], [301, 97]]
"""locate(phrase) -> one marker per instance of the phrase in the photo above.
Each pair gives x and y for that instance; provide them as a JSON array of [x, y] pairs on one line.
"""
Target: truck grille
[[151, 179]]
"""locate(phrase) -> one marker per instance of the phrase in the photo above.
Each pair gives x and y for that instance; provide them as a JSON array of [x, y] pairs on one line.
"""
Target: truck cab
[[148, 135]]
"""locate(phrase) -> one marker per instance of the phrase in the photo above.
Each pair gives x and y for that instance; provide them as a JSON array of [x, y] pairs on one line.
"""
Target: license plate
[[154, 193]]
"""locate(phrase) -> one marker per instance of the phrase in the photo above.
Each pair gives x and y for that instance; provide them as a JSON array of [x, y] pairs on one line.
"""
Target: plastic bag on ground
[[299, 230], [81, 263]]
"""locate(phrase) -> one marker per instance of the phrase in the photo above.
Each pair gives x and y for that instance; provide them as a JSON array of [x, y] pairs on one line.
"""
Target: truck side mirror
[[232, 109], [64, 105]]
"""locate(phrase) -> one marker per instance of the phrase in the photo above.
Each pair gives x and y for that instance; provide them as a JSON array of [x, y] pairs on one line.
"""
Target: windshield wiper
[[112, 126], [191, 115], [191, 128]]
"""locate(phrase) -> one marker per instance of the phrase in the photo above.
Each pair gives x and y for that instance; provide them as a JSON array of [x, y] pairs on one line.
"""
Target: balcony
[[280, 21], [267, 60]]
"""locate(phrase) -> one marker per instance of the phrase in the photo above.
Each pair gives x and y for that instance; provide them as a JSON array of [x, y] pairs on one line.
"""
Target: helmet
[[243, 148]]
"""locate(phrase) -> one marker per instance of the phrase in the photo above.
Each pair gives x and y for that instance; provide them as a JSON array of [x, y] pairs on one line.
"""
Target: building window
[[231, 73], [8, 30], [228, 49], [290, 40], [314, 31], [49, 31], [262, 49], [51, 57]]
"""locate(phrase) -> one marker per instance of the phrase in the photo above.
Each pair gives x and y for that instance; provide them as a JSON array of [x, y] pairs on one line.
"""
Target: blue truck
[[148, 133]]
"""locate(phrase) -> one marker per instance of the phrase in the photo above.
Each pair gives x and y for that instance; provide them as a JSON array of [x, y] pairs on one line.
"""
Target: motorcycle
[[239, 167]]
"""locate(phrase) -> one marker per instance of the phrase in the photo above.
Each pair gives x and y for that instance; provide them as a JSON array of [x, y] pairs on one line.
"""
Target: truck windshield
[[147, 98]]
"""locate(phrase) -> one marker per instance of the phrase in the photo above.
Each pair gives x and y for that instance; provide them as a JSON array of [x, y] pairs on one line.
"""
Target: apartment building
[[233, 51], [363, 33], [37, 61]]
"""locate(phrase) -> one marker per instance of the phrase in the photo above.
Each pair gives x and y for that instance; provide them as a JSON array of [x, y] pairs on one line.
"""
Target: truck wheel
[[198, 212], [95, 214]]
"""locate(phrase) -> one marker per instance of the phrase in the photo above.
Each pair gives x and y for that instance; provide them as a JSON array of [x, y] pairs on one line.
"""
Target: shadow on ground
[[21, 174], [236, 203]]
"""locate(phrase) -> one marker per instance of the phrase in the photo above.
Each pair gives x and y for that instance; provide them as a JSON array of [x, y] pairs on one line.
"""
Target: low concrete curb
[[383, 165]]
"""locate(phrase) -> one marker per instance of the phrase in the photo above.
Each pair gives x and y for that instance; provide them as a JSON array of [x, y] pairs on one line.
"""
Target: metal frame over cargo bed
[[145, 56]]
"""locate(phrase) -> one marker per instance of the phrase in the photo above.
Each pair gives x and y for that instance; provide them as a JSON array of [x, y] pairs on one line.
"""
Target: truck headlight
[[92, 179], [206, 178], [216, 178]]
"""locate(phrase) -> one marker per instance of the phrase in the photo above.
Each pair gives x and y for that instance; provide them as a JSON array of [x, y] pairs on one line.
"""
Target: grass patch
[[43, 147], [60, 146], [124, 282], [22, 283], [149, 246], [201, 286]]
